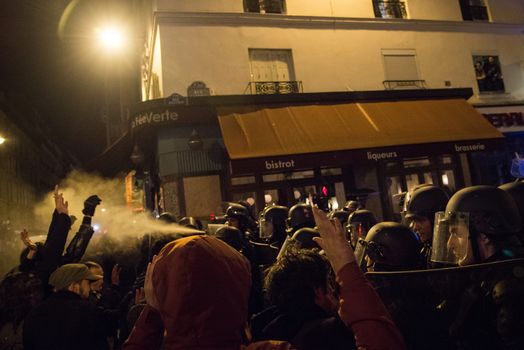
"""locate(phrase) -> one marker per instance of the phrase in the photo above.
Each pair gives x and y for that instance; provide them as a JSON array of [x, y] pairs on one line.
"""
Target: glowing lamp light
[[96, 227], [2, 139], [267, 198], [104, 210], [111, 38]]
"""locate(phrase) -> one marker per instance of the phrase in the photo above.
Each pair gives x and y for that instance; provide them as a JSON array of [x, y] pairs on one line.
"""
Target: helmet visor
[[450, 238], [265, 228]]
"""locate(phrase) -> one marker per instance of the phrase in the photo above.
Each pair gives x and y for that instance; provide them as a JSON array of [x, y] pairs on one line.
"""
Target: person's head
[[167, 218], [389, 246], [420, 207], [75, 278], [272, 223], [200, 287], [232, 236], [351, 206], [340, 215], [299, 280], [96, 269], [358, 225], [237, 216], [482, 222], [300, 215], [191, 222], [491, 59]]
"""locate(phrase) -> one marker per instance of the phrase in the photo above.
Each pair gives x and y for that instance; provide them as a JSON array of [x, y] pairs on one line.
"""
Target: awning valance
[[254, 131]]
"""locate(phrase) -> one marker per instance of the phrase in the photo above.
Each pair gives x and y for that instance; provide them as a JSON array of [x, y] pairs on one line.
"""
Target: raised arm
[[360, 307]]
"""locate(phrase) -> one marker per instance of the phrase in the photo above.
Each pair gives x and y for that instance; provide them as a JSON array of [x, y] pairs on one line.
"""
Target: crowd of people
[[449, 276]]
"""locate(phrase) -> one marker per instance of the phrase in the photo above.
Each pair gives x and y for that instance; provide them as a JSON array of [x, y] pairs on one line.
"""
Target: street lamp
[[113, 42]]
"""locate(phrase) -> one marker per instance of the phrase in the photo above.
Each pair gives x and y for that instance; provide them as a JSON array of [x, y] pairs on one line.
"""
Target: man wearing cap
[[66, 320]]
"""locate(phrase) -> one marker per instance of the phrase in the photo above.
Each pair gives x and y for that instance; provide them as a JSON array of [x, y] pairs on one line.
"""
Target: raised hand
[[115, 275], [24, 236], [90, 205], [61, 206], [140, 296], [332, 240], [149, 289]]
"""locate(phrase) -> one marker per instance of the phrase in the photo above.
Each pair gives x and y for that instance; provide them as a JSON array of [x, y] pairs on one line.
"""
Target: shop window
[[249, 197], [390, 9], [301, 194], [474, 10], [419, 162], [242, 180], [301, 174], [331, 171], [445, 160], [488, 74], [273, 177], [448, 181], [265, 6], [271, 197]]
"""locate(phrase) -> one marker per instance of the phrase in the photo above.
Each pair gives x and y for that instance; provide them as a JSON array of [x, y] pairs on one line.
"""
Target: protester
[[197, 292]]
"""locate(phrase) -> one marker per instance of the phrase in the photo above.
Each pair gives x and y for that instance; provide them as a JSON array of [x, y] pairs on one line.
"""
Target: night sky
[[61, 77]]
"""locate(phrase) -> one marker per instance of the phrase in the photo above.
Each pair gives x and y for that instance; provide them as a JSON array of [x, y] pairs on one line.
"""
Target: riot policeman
[[300, 215], [389, 246], [340, 215], [238, 216], [351, 206], [272, 224], [358, 225], [481, 224], [516, 191]]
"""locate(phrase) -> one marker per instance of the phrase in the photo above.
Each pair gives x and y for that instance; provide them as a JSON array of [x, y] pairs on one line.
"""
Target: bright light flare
[[2, 139], [96, 227], [111, 38]]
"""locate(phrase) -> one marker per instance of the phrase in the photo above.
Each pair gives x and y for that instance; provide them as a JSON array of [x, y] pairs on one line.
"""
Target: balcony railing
[[264, 6], [479, 13], [274, 87], [404, 84], [390, 9]]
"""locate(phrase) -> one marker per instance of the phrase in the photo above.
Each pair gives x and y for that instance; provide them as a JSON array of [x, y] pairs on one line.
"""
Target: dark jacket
[[64, 321]]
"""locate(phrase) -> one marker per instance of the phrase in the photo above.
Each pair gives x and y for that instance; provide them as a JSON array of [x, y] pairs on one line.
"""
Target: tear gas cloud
[[112, 217]]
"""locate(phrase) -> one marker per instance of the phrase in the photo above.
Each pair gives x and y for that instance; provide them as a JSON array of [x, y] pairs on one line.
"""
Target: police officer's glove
[[90, 205]]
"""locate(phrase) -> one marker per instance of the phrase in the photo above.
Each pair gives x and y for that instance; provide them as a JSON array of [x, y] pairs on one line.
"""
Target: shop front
[[198, 152]]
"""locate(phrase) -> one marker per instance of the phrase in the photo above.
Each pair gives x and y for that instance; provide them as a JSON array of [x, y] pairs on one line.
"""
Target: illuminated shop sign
[[148, 118], [506, 119]]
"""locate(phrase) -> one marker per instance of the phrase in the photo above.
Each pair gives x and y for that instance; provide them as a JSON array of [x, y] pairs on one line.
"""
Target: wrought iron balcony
[[390, 9], [275, 87], [264, 6], [404, 84]]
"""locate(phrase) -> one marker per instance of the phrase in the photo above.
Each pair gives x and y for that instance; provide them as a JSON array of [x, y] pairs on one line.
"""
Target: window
[[272, 72], [400, 68], [265, 6], [390, 9], [488, 74], [474, 10]]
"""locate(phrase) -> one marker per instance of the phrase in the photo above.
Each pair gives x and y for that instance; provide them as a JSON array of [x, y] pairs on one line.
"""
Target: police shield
[[476, 306]]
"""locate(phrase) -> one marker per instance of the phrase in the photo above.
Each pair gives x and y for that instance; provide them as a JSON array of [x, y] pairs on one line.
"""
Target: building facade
[[206, 61]]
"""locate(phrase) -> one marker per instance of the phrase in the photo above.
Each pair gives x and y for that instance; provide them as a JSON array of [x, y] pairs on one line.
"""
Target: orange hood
[[202, 288]]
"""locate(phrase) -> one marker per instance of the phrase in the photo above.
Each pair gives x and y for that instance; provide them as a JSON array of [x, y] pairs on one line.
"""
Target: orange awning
[[256, 131]]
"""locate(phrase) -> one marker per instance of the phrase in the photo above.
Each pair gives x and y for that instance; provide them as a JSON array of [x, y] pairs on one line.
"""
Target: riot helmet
[[167, 217], [272, 223], [516, 191], [191, 222], [341, 215], [351, 206], [389, 246], [358, 225], [304, 238], [237, 216], [420, 207], [482, 222], [300, 215], [232, 236]]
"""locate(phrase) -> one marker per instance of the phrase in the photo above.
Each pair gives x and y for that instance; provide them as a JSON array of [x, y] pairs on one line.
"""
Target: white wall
[[506, 11], [327, 59], [201, 5]]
